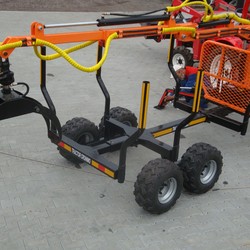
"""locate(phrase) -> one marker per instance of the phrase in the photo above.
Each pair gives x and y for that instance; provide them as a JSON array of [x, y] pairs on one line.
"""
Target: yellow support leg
[[144, 105]]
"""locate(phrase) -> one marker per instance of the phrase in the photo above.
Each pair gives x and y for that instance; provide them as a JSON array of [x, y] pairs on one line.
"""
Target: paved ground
[[47, 203]]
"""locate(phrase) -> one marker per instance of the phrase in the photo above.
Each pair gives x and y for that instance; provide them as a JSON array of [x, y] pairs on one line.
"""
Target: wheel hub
[[86, 138], [167, 190], [178, 59], [208, 172]]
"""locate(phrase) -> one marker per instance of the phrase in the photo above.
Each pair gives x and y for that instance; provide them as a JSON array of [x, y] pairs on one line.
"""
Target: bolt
[[183, 36], [40, 27], [37, 109]]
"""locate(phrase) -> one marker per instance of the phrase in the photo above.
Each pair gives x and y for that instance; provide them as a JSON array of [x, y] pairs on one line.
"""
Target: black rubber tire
[[157, 175], [201, 166], [122, 115], [80, 130], [182, 56]]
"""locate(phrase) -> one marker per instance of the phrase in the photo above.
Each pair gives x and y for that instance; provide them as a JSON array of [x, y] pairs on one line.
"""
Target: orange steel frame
[[101, 35]]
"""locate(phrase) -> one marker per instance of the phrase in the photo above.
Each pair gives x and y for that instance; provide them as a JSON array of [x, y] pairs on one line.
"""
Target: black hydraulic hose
[[27, 87]]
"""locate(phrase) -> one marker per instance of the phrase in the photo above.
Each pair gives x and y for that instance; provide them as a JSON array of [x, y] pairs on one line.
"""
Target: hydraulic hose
[[187, 3], [229, 16], [211, 16], [11, 45], [39, 42], [176, 29], [57, 55]]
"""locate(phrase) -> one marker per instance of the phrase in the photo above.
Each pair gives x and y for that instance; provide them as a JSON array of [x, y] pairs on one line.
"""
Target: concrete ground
[[47, 203]]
